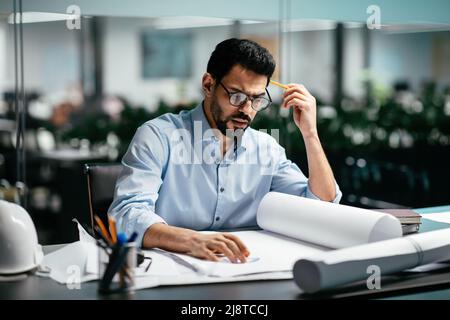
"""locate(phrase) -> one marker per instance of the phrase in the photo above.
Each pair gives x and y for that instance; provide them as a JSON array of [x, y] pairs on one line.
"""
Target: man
[[197, 170]]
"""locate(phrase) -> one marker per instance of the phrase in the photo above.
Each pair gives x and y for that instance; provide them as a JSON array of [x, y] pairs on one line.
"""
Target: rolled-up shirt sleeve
[[288, 178], [138, 185]]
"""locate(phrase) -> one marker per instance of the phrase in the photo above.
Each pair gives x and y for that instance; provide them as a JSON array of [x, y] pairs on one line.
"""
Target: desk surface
[[43, 288]]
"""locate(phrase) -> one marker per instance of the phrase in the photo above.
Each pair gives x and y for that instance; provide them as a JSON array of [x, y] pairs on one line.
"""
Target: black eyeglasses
[[238, 99]]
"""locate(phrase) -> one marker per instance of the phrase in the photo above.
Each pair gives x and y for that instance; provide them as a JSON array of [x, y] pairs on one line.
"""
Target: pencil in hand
[[285, 87]]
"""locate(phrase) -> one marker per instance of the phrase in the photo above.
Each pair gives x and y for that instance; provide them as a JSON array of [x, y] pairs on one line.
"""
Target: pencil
[[102, 237], [102, 228], [112, 229], [285, 87]]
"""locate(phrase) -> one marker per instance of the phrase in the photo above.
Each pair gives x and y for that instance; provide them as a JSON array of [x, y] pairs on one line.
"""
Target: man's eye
[[239, 96]]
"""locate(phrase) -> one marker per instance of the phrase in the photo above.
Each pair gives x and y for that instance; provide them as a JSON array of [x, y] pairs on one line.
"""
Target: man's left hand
[[304, 104]]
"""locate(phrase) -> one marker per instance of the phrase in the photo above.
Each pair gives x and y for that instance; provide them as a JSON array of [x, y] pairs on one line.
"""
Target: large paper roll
[[324, 223], [334, 268]]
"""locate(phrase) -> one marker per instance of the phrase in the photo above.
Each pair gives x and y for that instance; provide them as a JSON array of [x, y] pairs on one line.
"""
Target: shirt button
[[222, 189], [217, 218]]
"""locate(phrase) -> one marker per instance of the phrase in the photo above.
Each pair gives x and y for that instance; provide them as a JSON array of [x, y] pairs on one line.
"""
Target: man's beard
[[221, 121]]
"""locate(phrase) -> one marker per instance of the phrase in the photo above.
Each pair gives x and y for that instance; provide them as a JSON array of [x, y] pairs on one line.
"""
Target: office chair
[[101, 181]]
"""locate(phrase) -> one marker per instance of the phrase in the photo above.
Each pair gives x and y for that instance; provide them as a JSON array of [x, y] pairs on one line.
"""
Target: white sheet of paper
[[75, 261], [194, 278], [324, 223], [83, 234], [269, 252], [443, 217]]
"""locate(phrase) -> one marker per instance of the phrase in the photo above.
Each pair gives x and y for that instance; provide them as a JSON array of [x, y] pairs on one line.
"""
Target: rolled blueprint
[[324, 223], [334, 268]]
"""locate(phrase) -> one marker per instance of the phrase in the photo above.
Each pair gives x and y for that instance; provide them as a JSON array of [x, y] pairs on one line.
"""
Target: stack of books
[[409, 219]]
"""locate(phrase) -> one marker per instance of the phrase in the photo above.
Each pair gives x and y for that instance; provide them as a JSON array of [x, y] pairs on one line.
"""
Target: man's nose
[[247, 107]]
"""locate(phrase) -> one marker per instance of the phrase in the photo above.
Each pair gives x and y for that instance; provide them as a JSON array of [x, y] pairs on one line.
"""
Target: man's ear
[[208, 84]]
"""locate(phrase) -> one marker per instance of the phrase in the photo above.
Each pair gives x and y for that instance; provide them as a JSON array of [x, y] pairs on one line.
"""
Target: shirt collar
[[199, 119]]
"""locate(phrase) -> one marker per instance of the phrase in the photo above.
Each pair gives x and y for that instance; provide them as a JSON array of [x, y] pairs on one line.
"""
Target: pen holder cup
[[117, 268]]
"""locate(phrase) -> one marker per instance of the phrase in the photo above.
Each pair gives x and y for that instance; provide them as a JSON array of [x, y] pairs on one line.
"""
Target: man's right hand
[[200, 245], [210, 246]]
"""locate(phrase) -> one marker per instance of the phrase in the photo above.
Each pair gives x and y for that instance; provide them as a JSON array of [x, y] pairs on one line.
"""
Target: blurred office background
[[383, 93]]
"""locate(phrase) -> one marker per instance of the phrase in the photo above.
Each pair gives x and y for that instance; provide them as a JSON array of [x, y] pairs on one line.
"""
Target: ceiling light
[[195, 22], [31, 17]]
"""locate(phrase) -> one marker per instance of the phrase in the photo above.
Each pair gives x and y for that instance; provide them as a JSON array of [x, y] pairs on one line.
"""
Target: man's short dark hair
[[246, 53]]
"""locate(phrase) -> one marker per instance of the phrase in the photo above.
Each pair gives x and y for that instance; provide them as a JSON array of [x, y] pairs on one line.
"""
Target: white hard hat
[[19, 248]]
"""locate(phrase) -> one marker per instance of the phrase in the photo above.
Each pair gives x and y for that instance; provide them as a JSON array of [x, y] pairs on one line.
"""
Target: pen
[[133, 237], [285, 87]]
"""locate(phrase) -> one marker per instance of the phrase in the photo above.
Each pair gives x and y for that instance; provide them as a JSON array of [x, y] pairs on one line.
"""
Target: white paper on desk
[[83, 234], [154, 281], [324, 223], [334, 268], [269, 252], [196, 278], [443, 217], [74, 263], [161, 265], [296, 227]]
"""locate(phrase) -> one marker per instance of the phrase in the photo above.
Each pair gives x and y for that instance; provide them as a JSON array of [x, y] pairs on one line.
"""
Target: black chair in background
[[101, 181]]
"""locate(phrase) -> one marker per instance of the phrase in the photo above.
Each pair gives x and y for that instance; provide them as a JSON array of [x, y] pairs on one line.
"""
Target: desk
[[43, 288]]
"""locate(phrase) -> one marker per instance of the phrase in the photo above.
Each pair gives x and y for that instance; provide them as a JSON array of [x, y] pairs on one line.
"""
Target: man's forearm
[[166, 237], [321, 179], [204, 246]]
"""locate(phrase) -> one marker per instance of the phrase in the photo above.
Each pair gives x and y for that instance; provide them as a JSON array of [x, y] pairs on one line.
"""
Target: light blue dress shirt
[[173, 172]]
